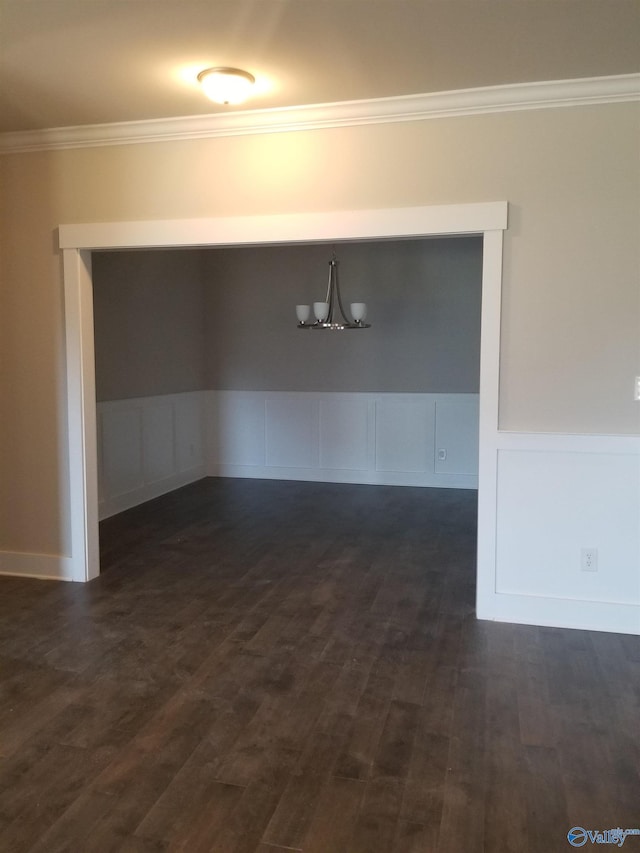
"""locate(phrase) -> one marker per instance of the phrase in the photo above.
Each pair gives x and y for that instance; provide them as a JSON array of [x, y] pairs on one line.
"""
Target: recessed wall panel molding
[[122, 449], [340, 437], [344, 433], [235, 428], [148, 446], [568, 531], [456, 435], [158, 442], [404, 434], [577, 518], [291, 431], [189, 415]]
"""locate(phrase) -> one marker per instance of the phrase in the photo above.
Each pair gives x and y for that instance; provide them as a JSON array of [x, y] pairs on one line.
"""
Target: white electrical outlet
[[589, 559], [636, 392], [442, 455]]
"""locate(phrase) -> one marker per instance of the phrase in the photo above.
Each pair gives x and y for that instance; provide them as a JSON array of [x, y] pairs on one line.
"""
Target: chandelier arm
[[328, 297], [331, 289], [339, 298]]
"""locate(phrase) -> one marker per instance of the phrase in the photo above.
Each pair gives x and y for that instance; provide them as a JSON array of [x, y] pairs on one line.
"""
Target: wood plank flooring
[[267, 666]]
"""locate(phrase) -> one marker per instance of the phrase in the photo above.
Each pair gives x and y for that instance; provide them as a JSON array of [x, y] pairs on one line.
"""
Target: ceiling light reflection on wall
[[226, 85]]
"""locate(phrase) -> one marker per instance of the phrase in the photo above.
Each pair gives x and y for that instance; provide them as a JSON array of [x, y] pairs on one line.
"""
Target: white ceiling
[[76, 62]]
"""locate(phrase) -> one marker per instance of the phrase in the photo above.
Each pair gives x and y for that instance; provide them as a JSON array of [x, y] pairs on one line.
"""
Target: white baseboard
[[148, 492], [41, 566], [327, 475], [613, 617]]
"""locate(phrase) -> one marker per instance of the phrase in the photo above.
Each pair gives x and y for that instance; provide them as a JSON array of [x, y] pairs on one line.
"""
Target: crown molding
[[461, 102]]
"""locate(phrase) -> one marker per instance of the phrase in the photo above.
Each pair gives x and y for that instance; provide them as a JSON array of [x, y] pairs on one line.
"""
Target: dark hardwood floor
[[270, 666]]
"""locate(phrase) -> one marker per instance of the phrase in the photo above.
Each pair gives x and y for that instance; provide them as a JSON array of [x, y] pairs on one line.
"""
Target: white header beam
[[437, 220]]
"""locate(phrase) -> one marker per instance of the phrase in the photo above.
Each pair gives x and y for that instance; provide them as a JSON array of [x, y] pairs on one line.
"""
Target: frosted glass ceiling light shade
[[330, 313], [226, 85]]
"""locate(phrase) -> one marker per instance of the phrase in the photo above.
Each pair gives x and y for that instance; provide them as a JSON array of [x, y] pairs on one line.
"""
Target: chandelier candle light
[[330, 313]]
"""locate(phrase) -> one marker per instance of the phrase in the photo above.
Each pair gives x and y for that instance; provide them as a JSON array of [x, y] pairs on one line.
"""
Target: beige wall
[[571, 322]]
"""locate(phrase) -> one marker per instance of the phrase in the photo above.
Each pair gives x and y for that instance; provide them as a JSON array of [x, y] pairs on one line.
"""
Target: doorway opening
[[77, 242], [201, 369]]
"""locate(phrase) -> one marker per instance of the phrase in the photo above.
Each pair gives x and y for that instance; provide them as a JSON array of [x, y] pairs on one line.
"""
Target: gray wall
[[224, 319], [423, 299], [149, 323]]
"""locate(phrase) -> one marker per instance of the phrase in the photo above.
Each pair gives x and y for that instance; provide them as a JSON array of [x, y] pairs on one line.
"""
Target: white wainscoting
[[148, 446], [556, 495], [389, 439]]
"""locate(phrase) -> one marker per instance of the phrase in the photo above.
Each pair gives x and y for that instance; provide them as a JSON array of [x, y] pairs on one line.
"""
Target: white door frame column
[[77, 241]]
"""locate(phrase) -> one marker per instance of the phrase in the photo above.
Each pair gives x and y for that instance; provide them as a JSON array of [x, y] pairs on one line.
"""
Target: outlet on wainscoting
[[589, 559]]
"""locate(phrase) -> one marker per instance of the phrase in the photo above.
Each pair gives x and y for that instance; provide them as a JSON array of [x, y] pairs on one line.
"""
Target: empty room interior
[[320, 434]]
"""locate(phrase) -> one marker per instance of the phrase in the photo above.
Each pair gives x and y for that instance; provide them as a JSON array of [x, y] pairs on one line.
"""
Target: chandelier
[[330, 313]]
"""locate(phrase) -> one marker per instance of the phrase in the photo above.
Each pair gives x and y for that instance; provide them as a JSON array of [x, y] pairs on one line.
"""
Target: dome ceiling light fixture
[[226, 85]]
